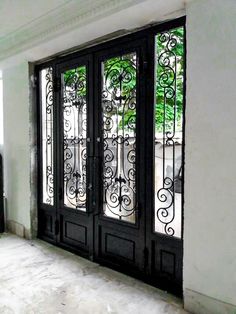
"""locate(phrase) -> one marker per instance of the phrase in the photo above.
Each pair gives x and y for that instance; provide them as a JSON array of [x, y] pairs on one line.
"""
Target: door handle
[[93, 185]]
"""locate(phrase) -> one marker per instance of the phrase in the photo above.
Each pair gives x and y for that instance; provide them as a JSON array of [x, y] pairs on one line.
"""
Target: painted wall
[[17, 95], [210, 177], [16, 143], [42, 38]]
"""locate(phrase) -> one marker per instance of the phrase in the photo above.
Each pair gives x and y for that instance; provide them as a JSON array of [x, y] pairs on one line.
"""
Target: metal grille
[[119, 137], [46, 100], [75, 132], [169, 132]]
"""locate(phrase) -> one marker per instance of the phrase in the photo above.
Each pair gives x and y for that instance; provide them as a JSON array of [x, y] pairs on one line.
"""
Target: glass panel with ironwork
[[75, 133], [169, 131], [119, 137], [46, 102]]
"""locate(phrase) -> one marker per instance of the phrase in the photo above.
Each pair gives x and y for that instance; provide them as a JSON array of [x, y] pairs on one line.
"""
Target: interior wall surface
[[20, 153], [210, 172], [140, 13], [16, 148], [210, 175]]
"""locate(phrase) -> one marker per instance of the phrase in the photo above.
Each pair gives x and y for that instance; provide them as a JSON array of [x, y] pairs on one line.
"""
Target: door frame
[[148, 34]]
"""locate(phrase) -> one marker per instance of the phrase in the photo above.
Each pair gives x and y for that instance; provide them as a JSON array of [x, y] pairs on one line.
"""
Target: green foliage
[[76, 80], [120, 80], [161, 99], [165, 107]]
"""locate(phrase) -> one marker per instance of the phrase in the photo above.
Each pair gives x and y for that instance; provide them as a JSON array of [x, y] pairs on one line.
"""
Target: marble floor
[[36, 277]]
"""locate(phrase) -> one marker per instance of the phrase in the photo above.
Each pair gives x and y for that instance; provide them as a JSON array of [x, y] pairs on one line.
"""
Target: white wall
[[16, 143], [138, 15], [16, 92], [210, 178]]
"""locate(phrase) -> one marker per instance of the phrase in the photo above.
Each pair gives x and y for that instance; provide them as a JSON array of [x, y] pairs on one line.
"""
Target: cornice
[[67, 17]]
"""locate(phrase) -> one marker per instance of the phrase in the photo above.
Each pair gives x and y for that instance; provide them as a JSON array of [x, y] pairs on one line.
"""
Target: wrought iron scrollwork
[[47, 130], [170, 105], [75, 132], [119, 127]]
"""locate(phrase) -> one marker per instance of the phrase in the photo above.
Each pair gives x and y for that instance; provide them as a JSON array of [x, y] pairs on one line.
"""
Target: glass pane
[[46, 101], [169, 131], [119, 136], [75, 133]]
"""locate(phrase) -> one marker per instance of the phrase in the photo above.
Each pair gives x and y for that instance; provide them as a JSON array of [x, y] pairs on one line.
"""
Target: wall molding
[[197, 303], [65, 18]]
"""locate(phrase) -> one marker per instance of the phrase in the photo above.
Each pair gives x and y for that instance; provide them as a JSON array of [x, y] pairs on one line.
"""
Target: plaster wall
[[134, 16], [210, 177], [19, 114], [210, 172], [16, 145]]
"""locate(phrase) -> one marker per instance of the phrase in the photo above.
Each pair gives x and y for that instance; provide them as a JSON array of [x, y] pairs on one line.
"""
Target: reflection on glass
[[46, 101], [119, 139], [75, 132], [169, 132]]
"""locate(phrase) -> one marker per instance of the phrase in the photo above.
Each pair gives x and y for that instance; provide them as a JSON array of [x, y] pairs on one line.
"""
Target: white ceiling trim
[[72, 15]]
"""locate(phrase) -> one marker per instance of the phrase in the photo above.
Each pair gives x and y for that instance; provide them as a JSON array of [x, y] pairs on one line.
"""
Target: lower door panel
[[75, 231], [119, 247], [47, 223], [166, 264]]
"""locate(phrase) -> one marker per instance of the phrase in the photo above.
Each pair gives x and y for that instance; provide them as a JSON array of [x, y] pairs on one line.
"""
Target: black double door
[[98, 157]]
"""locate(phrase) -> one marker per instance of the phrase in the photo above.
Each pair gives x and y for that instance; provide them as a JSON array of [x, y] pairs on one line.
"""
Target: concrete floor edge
[[37, 277]]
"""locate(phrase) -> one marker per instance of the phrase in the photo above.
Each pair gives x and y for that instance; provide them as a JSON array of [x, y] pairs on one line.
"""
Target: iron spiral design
[[119, 139], [167, 64], [75, 129], [48, 190]]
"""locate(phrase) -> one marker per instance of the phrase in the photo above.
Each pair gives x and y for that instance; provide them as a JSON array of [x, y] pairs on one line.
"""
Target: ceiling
[[17, 14], [25, 24]]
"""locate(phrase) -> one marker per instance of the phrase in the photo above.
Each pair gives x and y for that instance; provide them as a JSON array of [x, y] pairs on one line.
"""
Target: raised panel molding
[[61, 20]]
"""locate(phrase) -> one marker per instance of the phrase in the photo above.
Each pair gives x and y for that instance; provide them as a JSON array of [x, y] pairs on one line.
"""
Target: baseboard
[[198, 303], [18, 229]]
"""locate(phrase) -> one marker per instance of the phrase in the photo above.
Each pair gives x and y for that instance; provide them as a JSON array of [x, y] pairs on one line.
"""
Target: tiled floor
[[36, 277]]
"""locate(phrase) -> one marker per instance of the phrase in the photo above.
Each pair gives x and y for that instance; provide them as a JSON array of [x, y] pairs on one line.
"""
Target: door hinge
[[145, 257], [57, 227], [57, 84]]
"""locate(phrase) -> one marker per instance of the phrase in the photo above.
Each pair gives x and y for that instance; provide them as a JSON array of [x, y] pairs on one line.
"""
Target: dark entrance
[[111, 153]]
